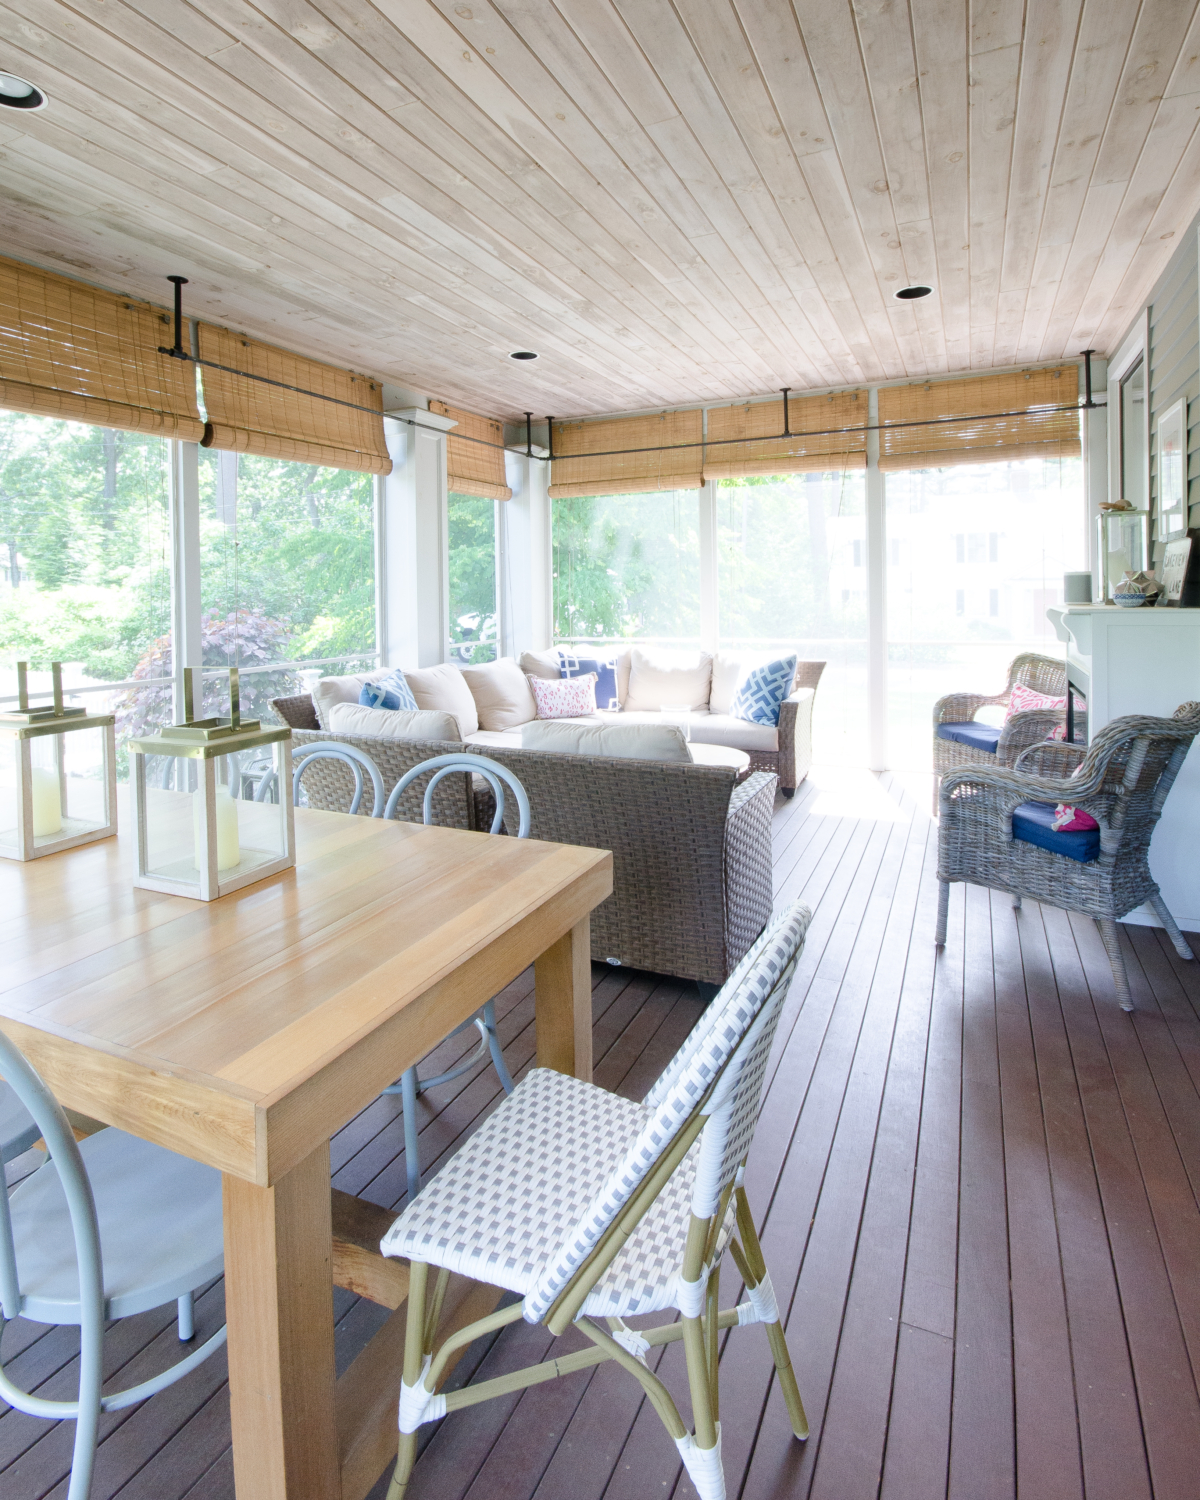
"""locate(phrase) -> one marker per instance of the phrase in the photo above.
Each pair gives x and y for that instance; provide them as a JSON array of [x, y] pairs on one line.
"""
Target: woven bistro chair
[[104, 1229], [995, 826], [593, 1209], [411, 1084], [959, 739]]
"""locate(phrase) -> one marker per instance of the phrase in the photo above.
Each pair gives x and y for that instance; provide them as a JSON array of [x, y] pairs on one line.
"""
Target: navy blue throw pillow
[[606, 675]]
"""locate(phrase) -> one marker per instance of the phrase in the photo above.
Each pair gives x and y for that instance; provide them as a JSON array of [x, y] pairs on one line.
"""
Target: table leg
[[279, 1308], [563, 1003]]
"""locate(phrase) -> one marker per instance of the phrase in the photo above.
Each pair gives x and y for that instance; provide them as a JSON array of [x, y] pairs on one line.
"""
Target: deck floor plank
[[979, 1189]]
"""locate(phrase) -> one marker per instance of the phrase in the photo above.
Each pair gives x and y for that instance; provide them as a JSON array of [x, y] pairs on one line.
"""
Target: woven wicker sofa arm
[[808, 674], [960, 708], [1025, 729], [1010, 788], [795, 736], [757, 784]]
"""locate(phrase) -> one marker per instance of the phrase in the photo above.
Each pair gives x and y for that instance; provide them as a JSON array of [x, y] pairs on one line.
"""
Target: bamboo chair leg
[[943, 913], [1169, 922], [1112, 943], [775, 1335], [414, 1359]]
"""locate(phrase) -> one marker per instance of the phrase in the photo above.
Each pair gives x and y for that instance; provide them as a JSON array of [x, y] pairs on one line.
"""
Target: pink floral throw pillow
[[564, 697], [1022, 699]]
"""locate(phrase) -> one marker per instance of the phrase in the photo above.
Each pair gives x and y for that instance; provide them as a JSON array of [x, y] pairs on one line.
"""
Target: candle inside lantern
[[228, 851], [47, 802]]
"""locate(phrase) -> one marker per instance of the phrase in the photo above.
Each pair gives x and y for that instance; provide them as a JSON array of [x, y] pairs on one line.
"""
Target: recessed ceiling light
[[17, 93], [911, 293], [522, 354]]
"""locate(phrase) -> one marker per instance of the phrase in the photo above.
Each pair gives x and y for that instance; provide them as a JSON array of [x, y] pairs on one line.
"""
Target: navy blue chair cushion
[[1033, 824], [978, 736]]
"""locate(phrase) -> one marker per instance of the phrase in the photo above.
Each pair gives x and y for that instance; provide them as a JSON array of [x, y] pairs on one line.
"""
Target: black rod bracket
[[178, 352], [528, 434], [787, 391], [1088, 403], [549, 437]]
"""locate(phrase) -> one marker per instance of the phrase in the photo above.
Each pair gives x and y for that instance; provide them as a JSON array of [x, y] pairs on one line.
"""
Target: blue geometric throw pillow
[[606, 675], [391, 692], [758, 698]]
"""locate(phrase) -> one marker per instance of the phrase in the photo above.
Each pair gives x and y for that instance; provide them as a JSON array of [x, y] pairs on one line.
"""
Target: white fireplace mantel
[[1146, 661]]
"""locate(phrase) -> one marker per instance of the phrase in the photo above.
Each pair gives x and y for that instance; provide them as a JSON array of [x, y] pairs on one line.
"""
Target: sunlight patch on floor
[[852, 792]]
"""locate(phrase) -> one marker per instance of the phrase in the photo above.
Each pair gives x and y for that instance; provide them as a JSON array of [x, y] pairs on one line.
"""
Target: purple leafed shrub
[[245, 639]]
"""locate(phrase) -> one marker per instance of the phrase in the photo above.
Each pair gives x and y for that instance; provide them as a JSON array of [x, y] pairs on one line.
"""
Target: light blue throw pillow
[[757, 700], [391, 692]]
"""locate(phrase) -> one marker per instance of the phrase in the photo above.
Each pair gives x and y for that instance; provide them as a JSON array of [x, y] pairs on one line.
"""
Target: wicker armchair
[[1122, 781], [1041, 673]]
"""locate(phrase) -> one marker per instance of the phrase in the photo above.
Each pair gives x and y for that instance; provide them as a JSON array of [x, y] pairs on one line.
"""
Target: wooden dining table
[[244, 1032]]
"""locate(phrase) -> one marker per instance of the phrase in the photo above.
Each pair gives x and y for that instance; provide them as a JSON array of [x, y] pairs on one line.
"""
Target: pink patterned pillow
[[1022, 699], [564, 697]]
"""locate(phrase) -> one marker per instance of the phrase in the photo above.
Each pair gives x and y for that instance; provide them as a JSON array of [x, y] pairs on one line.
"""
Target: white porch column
[[877, 727], [527, 581], [710, 600], [413, 528], [184, 517], [1095, 466]]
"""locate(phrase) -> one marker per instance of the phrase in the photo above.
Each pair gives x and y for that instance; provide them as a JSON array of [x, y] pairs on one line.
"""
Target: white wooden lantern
[[200, 830], [59, 785]]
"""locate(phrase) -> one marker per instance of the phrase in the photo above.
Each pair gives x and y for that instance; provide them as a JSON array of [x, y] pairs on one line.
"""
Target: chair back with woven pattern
[[1127, 772], [713, 1084], [1042, 674]]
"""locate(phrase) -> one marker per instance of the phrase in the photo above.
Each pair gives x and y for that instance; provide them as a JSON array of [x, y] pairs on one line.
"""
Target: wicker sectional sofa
[[691, 847]]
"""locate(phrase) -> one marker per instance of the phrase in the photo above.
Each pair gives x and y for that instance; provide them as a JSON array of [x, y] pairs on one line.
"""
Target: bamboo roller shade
[[965, 432], [249, 416], [811, 448], [584, 465], [472, 468], [72, 351]]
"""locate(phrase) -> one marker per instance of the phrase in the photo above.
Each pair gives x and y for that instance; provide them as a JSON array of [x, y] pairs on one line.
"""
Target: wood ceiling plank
[[433, 266], [343, 100], [940, 51], [730, 241], [584, 166], [1046, 59], [993, 99], [1158, 37]]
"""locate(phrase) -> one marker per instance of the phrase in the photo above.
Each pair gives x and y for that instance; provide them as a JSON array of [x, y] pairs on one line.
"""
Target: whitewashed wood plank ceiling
[[668, 200]]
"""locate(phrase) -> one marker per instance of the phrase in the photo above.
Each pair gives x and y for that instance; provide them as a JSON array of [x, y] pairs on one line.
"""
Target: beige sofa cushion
[[724, 729], [327, 691], [424, 724], [541, 663], [443, 688], [623, 741], [501, 693], [657, 679]]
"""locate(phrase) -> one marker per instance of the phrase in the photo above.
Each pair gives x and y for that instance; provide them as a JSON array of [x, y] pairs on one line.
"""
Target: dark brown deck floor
[[978, 1182]]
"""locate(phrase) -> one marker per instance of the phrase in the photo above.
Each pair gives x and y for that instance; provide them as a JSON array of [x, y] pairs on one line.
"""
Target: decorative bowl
[[1129, 601]]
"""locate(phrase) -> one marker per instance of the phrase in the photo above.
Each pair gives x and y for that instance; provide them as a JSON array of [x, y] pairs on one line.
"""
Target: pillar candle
[[47, 802], [228, 851]]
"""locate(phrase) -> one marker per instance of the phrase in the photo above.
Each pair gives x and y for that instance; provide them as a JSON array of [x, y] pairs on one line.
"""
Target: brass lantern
[[59, 788], [212, 801]]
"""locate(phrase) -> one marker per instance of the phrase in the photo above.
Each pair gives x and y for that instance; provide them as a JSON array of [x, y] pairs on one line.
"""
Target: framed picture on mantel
[[1181, 572], [1172, 470]]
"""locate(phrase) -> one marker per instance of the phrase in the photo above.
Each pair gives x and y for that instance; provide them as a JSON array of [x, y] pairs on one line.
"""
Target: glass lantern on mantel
[[199, 831], [58, 784], [1123, 546]]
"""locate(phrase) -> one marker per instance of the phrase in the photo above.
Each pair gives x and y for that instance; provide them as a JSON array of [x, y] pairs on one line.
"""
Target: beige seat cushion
[[501, 693], [507, 739], [622, 741], [444, 688], [327, 691], [403, 724], [724, 729], [680, 679]]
